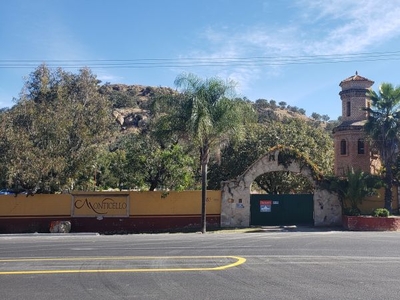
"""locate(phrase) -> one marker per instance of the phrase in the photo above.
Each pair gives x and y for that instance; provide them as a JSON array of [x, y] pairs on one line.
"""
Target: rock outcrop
[[131, 103]]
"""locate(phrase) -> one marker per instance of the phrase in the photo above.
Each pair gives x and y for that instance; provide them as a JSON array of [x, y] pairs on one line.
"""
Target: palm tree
[[382, 126], [204, 116], [354, 188]]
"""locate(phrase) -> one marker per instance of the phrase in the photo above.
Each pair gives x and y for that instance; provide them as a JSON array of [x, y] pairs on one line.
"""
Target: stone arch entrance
[[235, 204]]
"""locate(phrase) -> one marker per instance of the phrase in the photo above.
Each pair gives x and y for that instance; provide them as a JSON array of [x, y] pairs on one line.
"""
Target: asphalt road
[[271, 264]]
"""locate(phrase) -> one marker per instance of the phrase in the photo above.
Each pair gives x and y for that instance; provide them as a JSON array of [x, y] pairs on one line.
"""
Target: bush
[[380, 212]]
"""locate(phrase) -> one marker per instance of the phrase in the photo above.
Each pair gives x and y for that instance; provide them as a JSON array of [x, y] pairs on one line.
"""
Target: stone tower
[[351, 148]]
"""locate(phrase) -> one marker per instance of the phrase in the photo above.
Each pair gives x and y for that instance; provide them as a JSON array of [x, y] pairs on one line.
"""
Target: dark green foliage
[[152, 165], [325, 118], [111, 170], [262, 103], [312, 142], [353, 188], [316, 116], [122, 99], [348, 211], [302, 111]]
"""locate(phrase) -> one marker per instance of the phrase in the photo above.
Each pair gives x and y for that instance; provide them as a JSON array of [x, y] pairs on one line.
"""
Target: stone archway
[[235, 200]]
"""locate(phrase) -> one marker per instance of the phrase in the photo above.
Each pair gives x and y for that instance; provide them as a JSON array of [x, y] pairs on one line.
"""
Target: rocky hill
[[131, 103], [131, 106]]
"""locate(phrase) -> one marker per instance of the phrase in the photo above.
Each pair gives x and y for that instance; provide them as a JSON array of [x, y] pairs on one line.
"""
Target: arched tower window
[[360, 146], [343, 147], [348, 108]]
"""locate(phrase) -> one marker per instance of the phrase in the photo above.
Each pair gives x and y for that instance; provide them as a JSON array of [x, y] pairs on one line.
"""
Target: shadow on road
[[287, 228]]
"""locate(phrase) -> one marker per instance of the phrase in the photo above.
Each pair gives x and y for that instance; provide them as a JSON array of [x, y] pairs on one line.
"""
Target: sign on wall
[[95, 205], [265, 205]]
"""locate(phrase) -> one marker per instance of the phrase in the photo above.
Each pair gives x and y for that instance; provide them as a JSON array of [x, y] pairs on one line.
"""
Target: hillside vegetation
[[131, 107], [68, 131]]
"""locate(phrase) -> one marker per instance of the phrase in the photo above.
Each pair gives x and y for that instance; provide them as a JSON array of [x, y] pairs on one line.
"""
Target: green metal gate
[[272, 210]]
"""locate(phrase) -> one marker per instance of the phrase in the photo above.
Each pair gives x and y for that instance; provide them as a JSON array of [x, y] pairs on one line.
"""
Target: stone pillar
[[235, 204], [327, 209]]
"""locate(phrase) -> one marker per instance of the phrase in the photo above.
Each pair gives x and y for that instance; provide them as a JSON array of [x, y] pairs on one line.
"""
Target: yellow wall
[[140, 203], [378, 201], [175, 203], [37, 205]]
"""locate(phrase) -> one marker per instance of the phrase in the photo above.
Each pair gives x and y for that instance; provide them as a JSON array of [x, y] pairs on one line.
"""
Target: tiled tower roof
[[355, 77]]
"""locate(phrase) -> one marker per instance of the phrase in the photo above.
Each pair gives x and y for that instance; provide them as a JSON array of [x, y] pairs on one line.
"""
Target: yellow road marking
[[239, 261]]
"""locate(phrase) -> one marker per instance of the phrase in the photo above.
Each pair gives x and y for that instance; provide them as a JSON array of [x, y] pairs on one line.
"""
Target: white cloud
[[315, 27], [107, 77], [345, 27], [319, 27]]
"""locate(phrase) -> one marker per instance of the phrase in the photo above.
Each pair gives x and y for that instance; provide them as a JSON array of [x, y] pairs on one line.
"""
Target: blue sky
[[295, 51]]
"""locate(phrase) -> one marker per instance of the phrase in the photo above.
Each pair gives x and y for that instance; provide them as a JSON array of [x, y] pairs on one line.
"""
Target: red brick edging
[[369, 223]]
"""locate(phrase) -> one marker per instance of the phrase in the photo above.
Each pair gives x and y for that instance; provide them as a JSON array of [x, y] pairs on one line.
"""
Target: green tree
[[382, 126], [282, 104], [302, 111], [316, 116], [313, 142], [151, 165], [205, 117], [325, 118], [111, 169], [261, 104], [54, 130]]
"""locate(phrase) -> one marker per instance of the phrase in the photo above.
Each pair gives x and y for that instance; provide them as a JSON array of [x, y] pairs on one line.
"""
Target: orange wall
[[140, 203]]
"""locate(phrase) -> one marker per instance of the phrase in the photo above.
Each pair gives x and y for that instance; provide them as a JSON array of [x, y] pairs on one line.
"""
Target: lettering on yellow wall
[[106, 205]]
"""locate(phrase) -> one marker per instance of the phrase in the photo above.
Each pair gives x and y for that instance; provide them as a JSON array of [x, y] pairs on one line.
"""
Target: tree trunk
[[153, 185], [203, 197], [388, 188], [387, 157], [204, 158]]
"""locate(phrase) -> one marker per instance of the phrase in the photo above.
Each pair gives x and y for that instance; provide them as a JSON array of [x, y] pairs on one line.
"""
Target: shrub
[[352, 211], [353, 188], [380, 212]]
